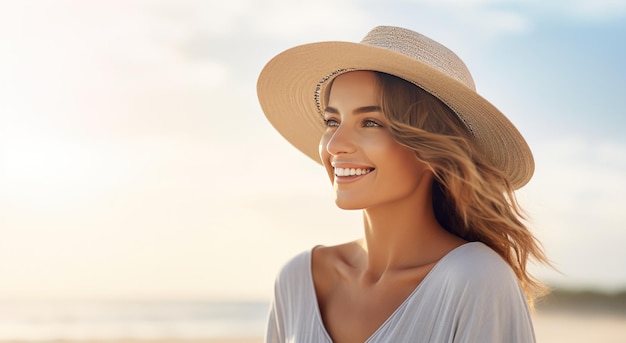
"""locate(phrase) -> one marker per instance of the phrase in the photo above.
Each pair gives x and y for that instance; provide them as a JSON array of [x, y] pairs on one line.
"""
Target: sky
[[135, 161]]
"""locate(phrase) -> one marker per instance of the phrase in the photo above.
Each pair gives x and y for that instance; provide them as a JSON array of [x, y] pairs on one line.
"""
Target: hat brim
[[287, 85]]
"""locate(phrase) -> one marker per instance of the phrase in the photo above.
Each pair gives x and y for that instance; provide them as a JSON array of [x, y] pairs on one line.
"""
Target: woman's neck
[[404, 235]]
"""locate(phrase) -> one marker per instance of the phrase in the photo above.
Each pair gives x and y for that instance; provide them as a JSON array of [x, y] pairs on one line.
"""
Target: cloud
[[493, 22], [452, 22], [300, 20], [599, 9], [280, 19], [596, 10], [104, 69]]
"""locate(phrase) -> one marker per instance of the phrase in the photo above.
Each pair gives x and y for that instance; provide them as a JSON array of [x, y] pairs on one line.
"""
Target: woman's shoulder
[[321, 261], [319, 254], [476, 264], [471, 253], [296, 268]]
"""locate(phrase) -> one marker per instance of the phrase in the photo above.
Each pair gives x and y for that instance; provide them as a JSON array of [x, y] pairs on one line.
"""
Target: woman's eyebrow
[[360, 110]]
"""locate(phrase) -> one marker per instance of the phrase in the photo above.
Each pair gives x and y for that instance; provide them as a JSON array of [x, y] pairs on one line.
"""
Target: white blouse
[[470, 295]]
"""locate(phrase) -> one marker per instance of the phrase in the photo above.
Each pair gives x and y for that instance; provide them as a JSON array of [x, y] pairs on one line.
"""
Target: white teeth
[[351, 171]]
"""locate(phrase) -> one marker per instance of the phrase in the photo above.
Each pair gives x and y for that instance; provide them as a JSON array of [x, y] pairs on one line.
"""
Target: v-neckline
[[318, 312]]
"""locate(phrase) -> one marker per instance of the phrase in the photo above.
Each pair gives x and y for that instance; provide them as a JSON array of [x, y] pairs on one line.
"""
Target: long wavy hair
[[471, 198]]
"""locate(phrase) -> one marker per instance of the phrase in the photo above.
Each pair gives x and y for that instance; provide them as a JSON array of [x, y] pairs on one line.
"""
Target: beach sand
[[224, 340], [576, 327]]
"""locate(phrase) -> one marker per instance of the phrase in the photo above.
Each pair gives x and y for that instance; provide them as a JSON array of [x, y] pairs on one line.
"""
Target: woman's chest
[[353, 313]]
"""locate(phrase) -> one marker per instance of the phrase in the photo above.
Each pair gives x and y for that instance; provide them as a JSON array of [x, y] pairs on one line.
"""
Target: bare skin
[[361, 283]]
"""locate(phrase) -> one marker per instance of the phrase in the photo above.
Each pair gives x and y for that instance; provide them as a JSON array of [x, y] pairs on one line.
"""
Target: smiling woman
[[405, 138]]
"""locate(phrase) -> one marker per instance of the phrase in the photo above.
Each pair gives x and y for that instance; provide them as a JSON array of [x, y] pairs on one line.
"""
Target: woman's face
[[366, 165]]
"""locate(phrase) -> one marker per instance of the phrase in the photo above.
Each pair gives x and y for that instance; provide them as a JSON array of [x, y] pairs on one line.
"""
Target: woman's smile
[[350, 175]]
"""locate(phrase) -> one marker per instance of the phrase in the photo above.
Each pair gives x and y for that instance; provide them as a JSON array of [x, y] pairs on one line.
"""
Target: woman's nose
[[341, 141]]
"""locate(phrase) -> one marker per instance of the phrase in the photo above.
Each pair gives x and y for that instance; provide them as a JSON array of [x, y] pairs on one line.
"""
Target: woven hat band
[[420, 48]]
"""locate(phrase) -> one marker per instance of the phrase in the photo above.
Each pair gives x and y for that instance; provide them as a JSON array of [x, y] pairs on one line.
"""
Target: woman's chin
[[345, 204]]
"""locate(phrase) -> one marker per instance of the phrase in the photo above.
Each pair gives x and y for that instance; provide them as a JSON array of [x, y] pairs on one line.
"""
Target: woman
[[396, 122]]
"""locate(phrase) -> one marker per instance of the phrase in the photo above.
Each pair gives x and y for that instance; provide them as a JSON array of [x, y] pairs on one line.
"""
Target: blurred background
[[143, 195]]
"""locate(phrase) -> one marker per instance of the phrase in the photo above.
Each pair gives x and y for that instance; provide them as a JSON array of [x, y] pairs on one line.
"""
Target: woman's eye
[[371, 123], [330, 122]]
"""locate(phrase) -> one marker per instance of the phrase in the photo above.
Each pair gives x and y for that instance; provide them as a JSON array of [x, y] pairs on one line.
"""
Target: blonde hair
[[471, 198]]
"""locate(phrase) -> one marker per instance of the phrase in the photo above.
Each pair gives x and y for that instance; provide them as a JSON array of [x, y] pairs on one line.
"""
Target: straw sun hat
[[291, 84]]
